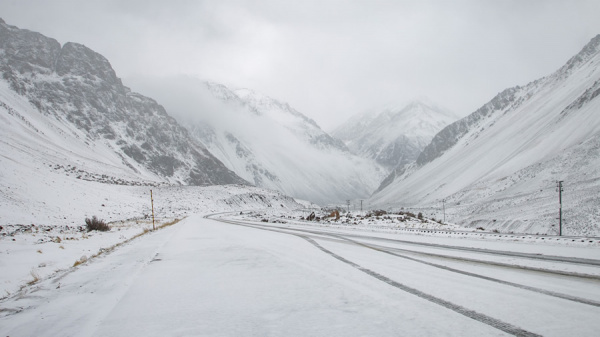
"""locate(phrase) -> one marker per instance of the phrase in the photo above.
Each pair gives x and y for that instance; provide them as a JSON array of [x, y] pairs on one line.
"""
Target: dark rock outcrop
[[79, 86]]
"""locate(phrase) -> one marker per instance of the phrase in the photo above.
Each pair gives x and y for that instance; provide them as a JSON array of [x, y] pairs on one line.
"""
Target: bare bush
[[95, 224], [36, 277]]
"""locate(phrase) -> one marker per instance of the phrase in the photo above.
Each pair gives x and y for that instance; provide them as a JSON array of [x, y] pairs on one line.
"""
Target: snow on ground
[[51, 180], [202, 277], [405, 222], [54, 236], [197, 277], [504, 160], [228, 283]]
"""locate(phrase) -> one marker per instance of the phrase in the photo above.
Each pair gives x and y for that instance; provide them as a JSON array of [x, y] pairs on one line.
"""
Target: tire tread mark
[[493, 322], [541, 270], [487, 278], [498, 324], [466, 273], [574, 260]]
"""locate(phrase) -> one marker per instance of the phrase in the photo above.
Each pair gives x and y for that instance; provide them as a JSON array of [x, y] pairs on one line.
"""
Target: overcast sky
[[329, 59]]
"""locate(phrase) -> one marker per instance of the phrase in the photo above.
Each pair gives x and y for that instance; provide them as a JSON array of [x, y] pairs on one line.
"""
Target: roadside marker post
[[559, 189], [152, 202]]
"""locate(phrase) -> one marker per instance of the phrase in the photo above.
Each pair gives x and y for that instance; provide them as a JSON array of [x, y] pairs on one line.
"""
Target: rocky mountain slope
[[268, 142], [68, 100], [396, 135], [498, 167]]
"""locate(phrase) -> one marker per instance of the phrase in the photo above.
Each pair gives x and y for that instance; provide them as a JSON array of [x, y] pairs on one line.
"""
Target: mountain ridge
[[79, 89], [447, 137], [395, 134], [490, 165], [268, 142]]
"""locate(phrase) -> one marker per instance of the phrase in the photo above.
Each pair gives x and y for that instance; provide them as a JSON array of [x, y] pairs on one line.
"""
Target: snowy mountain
[[396, 135], [66, 104], [498, 167], [267, 142]]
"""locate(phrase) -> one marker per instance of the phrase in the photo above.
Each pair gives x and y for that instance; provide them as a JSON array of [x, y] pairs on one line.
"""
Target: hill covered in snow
[[67, 104], [267, 142], [396, 134], [77, 143], [498, 167]]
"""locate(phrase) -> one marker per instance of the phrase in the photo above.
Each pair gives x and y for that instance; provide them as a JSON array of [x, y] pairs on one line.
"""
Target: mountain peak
[[592, 47], [497, 164], [590, 50], [261, 102], [422, 101], [269, 143], [79, 60], [90, 109], [396, 134], [416, 109]]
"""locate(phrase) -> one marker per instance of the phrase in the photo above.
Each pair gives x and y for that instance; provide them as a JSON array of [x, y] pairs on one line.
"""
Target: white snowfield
[[233, 277], [394, 134], [502, 172], [203, 277], [267, 142]]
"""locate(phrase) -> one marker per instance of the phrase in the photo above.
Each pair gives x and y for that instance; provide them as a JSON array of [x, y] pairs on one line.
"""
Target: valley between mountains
[[232, 213]]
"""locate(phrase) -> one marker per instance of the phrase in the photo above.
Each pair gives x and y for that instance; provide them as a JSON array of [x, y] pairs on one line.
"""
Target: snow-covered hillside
[[69, 100], [52, 177], [396, 134], [77, 143], [267, 142], [498, 167]]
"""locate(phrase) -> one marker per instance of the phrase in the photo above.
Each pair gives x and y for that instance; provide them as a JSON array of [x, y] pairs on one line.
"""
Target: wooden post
[[559, 188], [152, 202]]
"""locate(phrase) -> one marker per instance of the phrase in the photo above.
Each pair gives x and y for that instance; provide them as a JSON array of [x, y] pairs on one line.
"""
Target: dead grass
[[81, 260], [36, 277], [115, 246], [170, 223]]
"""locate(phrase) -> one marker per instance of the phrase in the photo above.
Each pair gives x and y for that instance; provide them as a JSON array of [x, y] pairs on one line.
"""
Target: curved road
[[203, 277], [558, 277]]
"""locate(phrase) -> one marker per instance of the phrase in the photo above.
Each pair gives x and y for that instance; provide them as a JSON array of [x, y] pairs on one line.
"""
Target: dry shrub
[[95, 224], [36, 277]]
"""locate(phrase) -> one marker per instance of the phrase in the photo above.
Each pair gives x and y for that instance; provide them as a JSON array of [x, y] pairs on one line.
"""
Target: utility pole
[[444, 208], [348, 203], [361, 212], [559, 189]]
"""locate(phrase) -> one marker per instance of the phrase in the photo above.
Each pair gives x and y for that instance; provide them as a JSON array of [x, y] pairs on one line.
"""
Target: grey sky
[[328, 58]]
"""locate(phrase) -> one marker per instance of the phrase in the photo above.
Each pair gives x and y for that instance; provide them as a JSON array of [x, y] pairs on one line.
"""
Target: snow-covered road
[[202, 277]]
